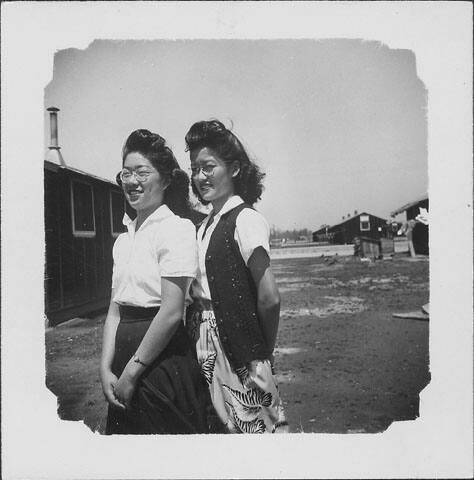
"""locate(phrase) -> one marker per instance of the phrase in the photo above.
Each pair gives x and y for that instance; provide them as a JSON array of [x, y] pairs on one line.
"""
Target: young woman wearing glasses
[[237, 305], [149, 373]]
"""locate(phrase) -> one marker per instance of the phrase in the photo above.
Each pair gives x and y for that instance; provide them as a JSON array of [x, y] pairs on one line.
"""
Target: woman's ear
[[235, 169]]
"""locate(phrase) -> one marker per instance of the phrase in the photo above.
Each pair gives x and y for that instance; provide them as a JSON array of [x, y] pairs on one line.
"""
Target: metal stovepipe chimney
[[54, 154]]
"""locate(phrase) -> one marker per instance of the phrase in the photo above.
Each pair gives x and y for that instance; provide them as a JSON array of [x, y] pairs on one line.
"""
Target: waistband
[[202, 314], [207, 316], [202, 304], [129, 313]]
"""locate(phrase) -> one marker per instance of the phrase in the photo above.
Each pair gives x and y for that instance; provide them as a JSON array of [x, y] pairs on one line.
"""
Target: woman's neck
[[218, 204], [142, 215]]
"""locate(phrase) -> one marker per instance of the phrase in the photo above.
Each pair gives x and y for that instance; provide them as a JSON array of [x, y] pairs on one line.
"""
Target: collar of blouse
[[231, 203], [158, 215]]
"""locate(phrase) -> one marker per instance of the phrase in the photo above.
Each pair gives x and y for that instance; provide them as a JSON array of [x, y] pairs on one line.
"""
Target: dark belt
[[130, 313]]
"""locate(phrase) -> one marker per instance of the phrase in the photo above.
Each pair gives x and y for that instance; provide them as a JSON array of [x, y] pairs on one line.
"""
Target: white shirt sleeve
[[114, 256], [177, 252], [114, 281], [251, 231]]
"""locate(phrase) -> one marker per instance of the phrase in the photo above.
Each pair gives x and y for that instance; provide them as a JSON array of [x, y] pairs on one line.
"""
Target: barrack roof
[[408, 205], [55, 167]]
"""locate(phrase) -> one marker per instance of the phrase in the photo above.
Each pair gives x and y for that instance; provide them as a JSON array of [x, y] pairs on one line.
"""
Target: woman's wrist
[[136, 359], [135, 367], [105, 368]]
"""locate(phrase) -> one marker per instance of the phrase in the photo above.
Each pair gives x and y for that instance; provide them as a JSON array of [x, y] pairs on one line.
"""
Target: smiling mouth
[[205, 188], [133, 194]]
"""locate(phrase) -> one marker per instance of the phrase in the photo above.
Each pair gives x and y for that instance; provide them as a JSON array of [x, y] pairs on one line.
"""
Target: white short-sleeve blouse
[[251, 231], [164, 246]]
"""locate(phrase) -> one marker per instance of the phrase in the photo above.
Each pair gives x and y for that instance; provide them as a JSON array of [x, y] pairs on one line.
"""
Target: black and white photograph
[[235, 225], [339, 129]]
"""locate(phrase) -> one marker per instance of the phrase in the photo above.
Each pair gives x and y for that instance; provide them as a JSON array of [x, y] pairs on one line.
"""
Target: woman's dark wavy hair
[[153, 147], [214, 135]]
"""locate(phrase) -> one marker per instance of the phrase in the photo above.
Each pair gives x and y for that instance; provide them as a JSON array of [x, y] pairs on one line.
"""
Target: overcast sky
[[337, 125]]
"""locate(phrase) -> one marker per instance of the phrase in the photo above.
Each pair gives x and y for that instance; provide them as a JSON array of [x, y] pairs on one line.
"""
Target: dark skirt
[[171, 395]]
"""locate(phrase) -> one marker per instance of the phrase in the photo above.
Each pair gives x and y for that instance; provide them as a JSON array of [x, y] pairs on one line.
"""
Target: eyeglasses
[[140, 175], [208, 170]]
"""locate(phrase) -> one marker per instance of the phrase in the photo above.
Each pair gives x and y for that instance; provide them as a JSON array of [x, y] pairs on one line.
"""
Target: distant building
[[83, 216], [360, 225], [420, 235], [277, 242]]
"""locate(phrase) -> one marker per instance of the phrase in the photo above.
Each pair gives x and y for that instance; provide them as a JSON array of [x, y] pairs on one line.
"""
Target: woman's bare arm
[[268, 297], [158, 335], [107, 378]]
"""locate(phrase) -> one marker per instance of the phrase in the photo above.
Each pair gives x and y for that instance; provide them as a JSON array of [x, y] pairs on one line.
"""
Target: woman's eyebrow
[[137, 167], [203, 162]]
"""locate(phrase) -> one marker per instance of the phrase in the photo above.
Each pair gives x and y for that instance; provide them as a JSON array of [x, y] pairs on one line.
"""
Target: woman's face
[[147, 194], [213, 177]]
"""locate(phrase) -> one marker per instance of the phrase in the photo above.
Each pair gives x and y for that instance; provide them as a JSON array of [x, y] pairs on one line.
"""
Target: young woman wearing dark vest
[[237, 304]]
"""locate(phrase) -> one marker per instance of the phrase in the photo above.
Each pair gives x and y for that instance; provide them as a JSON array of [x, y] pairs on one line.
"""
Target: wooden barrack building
[[83, 216]]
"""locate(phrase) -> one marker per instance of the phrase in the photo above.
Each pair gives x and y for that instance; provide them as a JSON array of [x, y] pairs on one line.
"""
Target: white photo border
[[36, 444]]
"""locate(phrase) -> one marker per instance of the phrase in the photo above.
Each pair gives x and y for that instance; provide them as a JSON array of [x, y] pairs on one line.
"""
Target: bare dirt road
[[343, 363]]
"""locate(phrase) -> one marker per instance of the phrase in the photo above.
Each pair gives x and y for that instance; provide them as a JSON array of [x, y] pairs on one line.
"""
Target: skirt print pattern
[[246, 400]]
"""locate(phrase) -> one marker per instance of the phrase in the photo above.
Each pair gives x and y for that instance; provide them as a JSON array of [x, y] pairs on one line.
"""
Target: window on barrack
[[82, 206]]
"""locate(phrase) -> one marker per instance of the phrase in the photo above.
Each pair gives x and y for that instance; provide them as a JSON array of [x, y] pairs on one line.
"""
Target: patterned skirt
[[246, 400]]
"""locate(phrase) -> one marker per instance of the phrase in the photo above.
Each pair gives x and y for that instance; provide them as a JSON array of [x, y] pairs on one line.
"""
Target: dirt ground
[[343, 363]]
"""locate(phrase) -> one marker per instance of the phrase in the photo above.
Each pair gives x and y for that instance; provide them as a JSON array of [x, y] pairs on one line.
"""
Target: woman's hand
[[125, 388], [109, 380]]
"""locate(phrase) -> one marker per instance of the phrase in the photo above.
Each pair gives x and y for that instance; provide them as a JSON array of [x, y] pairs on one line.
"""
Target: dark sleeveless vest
[[234, 295]]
